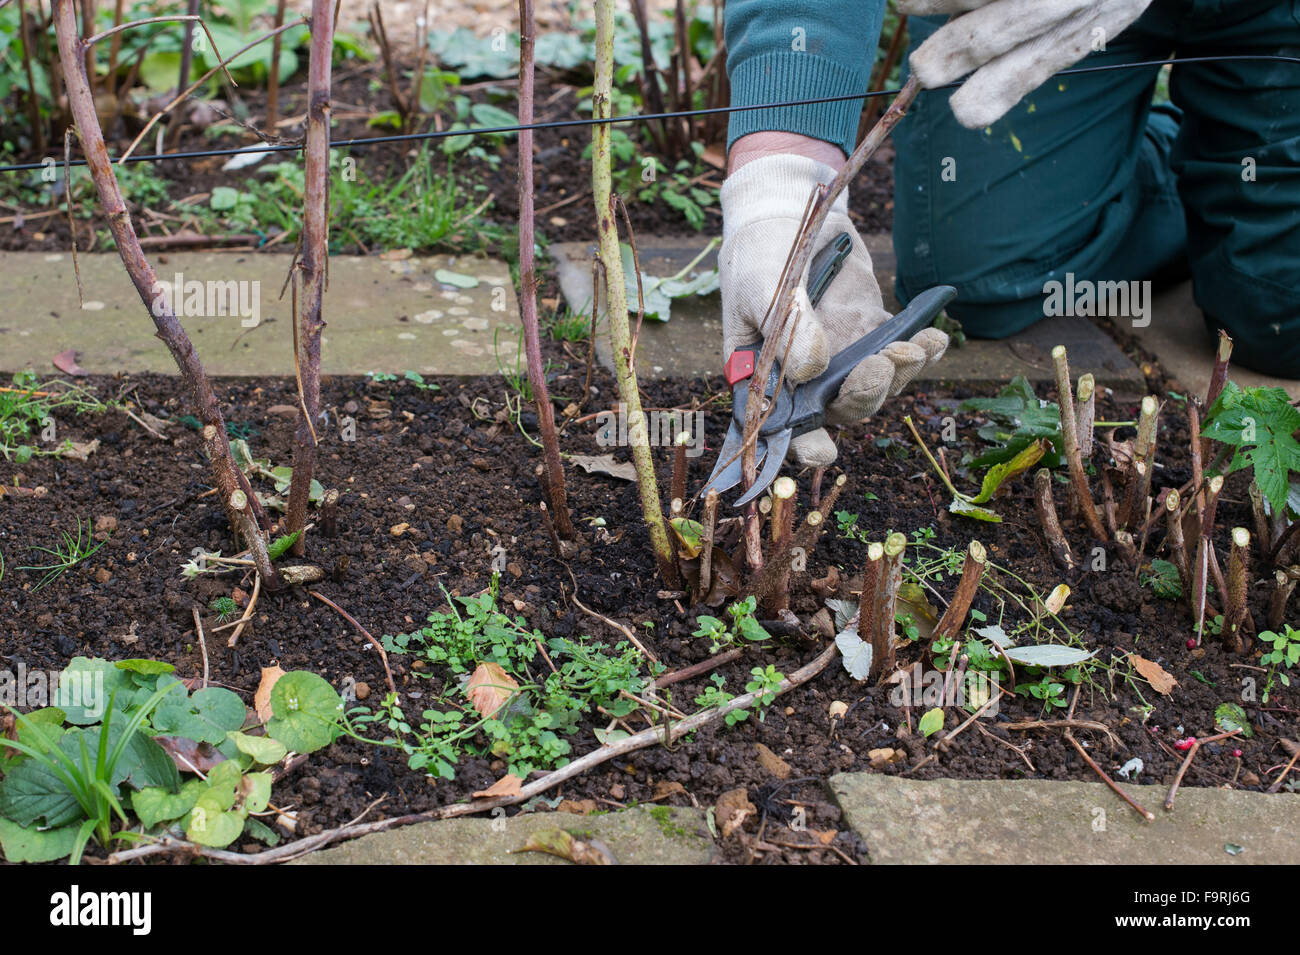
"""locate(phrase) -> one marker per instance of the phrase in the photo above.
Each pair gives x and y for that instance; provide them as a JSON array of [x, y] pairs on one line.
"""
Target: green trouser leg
[[1084, 178], [1237, 160]]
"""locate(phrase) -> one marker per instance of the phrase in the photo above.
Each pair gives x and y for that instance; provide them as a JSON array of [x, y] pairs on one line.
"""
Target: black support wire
[[633, 118]]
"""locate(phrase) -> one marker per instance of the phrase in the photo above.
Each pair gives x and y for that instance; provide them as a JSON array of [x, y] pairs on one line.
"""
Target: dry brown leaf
[[825, 836], [489, 688], [1153, 673], [507, 785], [732, 809], [557, 842], [66, 362], [262, 698], [605, 464], [668, 787], [579, 807]]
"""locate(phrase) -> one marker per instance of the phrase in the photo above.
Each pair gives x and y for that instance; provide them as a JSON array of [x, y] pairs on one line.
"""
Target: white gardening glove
[[762, 206], [1012, 46]]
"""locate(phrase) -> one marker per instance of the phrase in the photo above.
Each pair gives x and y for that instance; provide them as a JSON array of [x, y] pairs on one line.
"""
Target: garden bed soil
[[452, 467], [561, 170]]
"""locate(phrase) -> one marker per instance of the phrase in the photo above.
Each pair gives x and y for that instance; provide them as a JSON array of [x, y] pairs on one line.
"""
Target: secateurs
[[798, 409]]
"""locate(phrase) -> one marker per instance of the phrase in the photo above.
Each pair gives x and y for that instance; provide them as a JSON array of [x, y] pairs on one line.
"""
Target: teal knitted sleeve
[[781, 50]]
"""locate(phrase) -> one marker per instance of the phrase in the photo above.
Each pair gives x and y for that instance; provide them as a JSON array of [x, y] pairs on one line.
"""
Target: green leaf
[[1230, 716], [1047, 655], [931, 722], [485, 114], [30, 791], [145, 667], [206, 716], [223, 198], [277, 548], [260, 831], [210, 826], [22, 844], [305, 712], [263, 749], [561, 50], [690, 534], [257, 792], [154, 804], [85, 687], [1006, 471], [457, 279], [966, 509]]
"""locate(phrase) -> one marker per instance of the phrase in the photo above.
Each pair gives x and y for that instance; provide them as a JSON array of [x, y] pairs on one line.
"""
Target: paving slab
[[963, 821], [645, 835], [389, 315], [1177, 336], [690, 343]]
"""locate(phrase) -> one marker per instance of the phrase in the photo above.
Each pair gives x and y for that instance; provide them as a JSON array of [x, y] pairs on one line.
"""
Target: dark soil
[[464, 481]]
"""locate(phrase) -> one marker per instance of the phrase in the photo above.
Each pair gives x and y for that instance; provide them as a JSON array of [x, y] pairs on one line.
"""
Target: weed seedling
[[68, 554], [1285, 654], [744, 628], [224, 607], [766, 683]]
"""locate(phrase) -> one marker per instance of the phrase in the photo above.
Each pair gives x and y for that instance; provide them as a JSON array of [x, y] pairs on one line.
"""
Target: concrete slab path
[[390, 315], [1040, 822]]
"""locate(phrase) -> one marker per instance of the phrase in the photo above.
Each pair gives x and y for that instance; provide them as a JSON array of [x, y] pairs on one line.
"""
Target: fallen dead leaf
[[880, 758], [665, 788], [605, 464], [732, 809], [262, 698], [489, 688], [190, 756], [771, 762], [579, 807], [80, 450], [507, 785], [824, 836], [1153, 673], [66, 362], [558, 842]]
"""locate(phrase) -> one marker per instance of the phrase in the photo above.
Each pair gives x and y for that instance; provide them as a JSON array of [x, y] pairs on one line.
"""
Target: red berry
[[1191, 644], [1185, 744], [1237, 753]]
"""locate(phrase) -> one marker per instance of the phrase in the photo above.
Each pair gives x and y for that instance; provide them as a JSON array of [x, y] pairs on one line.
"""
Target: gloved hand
[[762, 205], [1012, 46]]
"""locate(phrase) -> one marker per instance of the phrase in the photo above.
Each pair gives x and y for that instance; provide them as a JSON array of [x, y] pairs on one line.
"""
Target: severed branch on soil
[[233, 488], [1187, 761], [313, 268], [876, 606], [1235, 613], [782, 530], [972, 571], [1085, 412], [1283, 587], [1072, 451], [557, 497], [1056, 542], [616, 298], [1144, 461]]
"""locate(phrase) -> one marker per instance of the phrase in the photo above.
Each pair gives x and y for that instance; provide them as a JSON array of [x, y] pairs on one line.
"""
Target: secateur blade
[[774, 456], [728, 472]]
